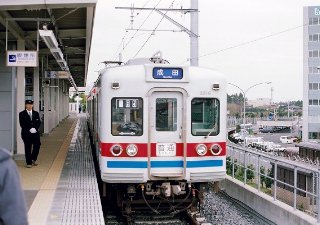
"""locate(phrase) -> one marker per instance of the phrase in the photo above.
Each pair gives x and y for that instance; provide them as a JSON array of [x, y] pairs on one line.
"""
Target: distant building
[[311, 74], [259, 102]]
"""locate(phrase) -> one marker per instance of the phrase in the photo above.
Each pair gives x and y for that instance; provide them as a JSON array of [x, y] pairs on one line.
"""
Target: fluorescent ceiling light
[[49, 38], [57, 54], [52, 43], [62, 64]]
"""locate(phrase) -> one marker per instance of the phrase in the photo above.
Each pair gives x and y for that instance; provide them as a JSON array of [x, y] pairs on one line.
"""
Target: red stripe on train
[[143, 149], [191, 149]]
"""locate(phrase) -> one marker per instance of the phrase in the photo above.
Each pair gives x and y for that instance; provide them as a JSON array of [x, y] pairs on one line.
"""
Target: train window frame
[[206, 131], [114, 130], [174, 115]]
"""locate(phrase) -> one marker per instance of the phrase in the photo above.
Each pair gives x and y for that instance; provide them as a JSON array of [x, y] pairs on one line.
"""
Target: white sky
[[222, 24]]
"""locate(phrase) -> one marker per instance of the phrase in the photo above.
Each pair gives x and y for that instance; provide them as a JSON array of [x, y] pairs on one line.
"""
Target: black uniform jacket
[[26, 123]]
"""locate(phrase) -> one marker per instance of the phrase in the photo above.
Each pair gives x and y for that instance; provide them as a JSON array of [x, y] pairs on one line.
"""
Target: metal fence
[[294, 183]]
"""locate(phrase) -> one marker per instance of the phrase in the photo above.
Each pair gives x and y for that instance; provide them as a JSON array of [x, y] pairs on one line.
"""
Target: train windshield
[[205, 114], [126, 116]]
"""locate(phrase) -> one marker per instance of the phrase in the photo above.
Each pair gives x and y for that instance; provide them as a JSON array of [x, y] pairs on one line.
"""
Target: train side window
[[166, 114], [205, 116], [127, 116]]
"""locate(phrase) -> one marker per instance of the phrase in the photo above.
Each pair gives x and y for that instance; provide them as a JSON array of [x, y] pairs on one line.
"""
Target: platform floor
[[62, 189]]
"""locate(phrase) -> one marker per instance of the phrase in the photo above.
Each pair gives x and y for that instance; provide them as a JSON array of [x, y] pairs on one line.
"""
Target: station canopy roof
[[70, 20]]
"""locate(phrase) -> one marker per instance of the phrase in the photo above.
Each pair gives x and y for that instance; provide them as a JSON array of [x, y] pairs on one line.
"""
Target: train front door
[[166, 145]]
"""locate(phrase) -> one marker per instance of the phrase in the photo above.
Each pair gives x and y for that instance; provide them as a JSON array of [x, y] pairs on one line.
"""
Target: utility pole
[[271, 98]]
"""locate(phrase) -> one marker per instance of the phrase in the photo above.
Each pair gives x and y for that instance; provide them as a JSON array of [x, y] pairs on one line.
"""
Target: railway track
[[144, 218], [221, 209]]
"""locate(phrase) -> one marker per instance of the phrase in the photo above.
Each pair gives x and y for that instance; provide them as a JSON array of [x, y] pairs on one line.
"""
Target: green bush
[[238, 128], [229, 166], [262, 177], [268, 180], [239, 174], [250, 172]]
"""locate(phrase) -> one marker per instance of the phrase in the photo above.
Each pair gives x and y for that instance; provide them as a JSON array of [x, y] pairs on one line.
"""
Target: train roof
[[148, 65], [136, 65]]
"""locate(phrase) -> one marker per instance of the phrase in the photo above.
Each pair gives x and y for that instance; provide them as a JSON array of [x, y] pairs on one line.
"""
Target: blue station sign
[[167, 73]]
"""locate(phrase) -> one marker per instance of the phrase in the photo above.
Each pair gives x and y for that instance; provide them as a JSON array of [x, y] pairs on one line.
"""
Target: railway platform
[[63, 189]]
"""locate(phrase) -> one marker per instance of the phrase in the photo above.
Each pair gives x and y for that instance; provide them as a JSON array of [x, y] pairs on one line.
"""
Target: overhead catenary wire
[[248, 42], [152, 32], [122, 45], [213, 52], [141, 25]]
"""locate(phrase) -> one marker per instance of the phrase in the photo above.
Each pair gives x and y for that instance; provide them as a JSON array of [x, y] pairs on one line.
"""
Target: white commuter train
[[159, 131]]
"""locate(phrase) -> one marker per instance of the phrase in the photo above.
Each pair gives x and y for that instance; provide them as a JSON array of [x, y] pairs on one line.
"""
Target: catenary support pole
[[194, 40]]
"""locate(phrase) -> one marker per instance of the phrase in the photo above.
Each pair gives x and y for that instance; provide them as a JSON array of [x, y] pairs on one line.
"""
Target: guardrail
[[291, 182]]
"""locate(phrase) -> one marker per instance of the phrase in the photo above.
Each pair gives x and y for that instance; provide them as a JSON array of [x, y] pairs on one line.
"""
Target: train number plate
[[166, 149]]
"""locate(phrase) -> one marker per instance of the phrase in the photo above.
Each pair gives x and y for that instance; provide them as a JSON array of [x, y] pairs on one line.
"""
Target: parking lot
[[275, 137], [269, 142]]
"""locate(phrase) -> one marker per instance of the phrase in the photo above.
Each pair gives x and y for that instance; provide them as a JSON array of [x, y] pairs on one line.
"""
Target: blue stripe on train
[[164, 164], [127, 164], [204, 163]]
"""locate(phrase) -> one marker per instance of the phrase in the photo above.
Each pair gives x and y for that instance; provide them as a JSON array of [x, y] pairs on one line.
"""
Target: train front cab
[[182, 136]]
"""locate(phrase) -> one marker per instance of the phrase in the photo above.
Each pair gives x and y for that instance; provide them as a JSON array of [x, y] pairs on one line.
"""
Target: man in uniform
[[30, 123]]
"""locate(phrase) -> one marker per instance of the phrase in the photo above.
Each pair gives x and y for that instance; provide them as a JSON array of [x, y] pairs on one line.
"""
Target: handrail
[[312, 188]]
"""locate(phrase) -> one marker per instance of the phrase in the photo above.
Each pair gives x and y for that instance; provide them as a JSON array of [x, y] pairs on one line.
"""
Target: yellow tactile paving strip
[[40, 207]]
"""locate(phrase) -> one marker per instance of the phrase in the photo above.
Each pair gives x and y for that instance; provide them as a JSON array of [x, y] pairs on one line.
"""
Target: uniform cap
[[29, 102]]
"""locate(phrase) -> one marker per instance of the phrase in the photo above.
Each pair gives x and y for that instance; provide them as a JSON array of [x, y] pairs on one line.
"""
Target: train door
[[166, 146]]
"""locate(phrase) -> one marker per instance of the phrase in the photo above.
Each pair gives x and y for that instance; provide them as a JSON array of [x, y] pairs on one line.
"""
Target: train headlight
[[215, 149], [201, 149], [132, 150], [116, 150]]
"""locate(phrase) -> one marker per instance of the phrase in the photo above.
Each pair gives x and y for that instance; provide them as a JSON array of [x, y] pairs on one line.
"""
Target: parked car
[[266, 130], [278, 148], [287, 139], [240, 136], [249, 140]]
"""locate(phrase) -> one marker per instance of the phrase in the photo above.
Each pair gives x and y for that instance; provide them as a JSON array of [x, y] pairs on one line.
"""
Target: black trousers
[[29, 141]]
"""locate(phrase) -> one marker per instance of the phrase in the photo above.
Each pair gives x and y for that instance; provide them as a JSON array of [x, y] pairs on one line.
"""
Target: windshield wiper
[[212, 129]]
